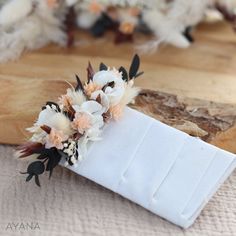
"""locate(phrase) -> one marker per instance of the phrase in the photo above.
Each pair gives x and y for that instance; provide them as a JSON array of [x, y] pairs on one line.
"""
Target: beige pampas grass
[[130, 93]]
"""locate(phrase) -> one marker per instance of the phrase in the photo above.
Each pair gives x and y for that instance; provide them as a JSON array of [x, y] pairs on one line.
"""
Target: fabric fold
[[156, 166]]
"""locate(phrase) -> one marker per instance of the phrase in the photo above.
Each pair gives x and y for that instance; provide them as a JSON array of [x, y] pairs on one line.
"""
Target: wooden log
[[210, 121]]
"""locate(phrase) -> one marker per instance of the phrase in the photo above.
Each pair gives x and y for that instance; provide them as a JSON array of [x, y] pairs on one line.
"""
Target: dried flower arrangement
[[32, 24], [36, 23], [65, 129], [171, 21]]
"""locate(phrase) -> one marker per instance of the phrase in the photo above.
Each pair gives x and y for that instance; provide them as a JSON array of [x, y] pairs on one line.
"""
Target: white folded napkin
[[156, 166]]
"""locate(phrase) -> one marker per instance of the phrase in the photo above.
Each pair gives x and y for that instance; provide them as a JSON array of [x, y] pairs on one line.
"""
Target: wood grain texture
[[205, 71], [212, 122]]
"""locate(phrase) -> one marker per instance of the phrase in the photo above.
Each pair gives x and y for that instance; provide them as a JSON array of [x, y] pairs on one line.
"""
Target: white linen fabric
[[156, 166]]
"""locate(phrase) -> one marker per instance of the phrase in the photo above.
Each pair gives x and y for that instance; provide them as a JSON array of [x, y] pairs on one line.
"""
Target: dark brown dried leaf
[[29, 148], [90, 72], [79, 84], [46, 128]]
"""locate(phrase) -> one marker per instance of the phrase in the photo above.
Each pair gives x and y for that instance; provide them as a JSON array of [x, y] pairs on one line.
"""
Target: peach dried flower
[[90, 88], [81, 122], [95, 7], [65, 100], [126, 28], [52, 3], [134, 11], [116, 111], [55, 139]]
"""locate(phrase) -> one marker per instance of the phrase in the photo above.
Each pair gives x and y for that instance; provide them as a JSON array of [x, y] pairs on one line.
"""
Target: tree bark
[[212, 122]]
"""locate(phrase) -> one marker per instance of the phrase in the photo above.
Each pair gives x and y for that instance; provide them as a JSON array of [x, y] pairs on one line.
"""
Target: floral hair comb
[[64, 129], [156, 166]]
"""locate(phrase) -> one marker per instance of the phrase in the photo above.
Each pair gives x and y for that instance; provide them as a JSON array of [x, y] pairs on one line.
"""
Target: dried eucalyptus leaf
[[36, 168], [134, 67], [36, 178], [54, 159], [103, 67], [139, 74], [29, 177], [42, 157], [124, 73]]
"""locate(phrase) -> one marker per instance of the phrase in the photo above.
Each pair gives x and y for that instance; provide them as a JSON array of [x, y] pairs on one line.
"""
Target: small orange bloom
[[126, 28], [134, 11], [52, 3], [95, 7]]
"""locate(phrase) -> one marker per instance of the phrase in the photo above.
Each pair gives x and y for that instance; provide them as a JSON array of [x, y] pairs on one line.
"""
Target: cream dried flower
[[65, 100], [72, 97], [53, 119], [115, 92], [90, 88]]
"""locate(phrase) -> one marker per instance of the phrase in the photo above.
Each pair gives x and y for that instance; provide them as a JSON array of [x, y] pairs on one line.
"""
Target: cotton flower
[[54, 120], [104, 99], [114, 92], [55, 139], [88, 118]]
